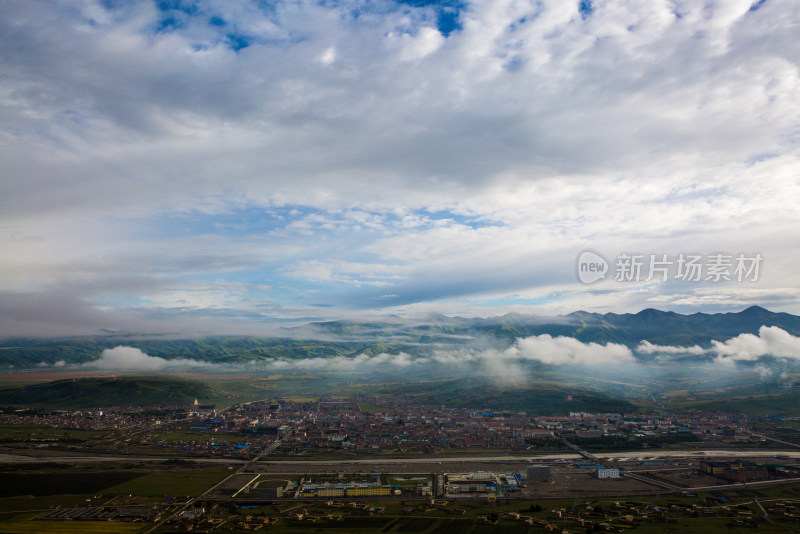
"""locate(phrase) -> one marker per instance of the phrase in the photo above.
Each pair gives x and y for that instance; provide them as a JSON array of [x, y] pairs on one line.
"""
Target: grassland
[[70, 527], [190, 482], [38, 484], [42, 432], [368, 407]]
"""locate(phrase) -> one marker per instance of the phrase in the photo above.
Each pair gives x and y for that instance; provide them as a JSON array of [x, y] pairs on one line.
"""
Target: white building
[[607, 472]]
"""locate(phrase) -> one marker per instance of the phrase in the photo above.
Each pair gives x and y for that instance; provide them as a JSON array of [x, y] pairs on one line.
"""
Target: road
[[19, 458], [711, 453]]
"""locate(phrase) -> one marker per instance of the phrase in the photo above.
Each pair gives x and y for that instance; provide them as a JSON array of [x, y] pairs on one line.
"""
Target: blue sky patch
[[448, 13], [586, 8], [237, 41], [168, 24], [517, 301], [186, 6], [472, 221]]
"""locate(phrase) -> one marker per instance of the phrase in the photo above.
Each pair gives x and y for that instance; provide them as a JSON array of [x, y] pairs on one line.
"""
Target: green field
[[190, 482], [43, 432], [70, 527], [368, 407], [40, 484]]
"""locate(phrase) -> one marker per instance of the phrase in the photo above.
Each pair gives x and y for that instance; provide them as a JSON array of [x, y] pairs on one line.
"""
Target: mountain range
[[656, 326]]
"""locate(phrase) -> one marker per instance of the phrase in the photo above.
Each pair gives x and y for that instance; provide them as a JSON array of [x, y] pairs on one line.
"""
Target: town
[[372, 426], [353, 462]]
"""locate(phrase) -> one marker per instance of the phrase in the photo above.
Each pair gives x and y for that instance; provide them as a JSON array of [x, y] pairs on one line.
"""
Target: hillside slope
[[106, 392]]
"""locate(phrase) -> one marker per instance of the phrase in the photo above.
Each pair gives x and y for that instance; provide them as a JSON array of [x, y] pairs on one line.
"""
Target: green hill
[[106, 392]]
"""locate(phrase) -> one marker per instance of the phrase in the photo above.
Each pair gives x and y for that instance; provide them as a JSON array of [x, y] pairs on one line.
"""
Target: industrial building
[[480, 483], [736, 470], [307, 488]]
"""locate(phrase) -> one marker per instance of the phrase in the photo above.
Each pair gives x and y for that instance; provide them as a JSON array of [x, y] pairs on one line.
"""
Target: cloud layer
[[501, 364], [123, 358], [566, 350], [770, 341], [505, 365]]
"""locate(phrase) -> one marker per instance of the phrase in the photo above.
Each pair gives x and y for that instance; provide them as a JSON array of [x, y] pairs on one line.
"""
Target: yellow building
[[364, 492]]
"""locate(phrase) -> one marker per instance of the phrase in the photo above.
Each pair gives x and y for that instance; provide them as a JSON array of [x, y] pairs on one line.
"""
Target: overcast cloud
[[223, 167]]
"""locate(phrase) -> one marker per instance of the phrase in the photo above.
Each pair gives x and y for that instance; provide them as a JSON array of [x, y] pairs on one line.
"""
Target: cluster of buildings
[[736, 470], [371, 425], [371, 488], [401, 426], [328, 486], [481, 484]]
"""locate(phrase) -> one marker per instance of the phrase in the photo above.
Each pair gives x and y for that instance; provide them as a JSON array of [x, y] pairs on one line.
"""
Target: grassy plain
[[58, 483], [183, 481], [44, 432], [70, 527]]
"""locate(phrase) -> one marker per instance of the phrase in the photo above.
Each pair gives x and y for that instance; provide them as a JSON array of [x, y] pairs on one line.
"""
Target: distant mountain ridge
[[656, 326], [348, 338]]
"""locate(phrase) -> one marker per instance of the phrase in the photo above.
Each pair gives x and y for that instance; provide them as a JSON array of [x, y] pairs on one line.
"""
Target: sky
[[217, 167]]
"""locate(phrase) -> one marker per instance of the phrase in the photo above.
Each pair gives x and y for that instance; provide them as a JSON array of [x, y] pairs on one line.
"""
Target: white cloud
[[424, 43], [645, 347], [122, 358], [58, 364], [504, 366], [343, 364], [559, 350], [770, 340], [328, 56], [570, 351]]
